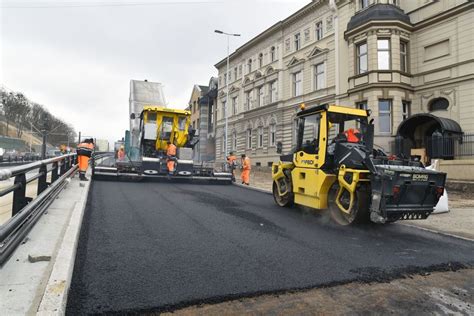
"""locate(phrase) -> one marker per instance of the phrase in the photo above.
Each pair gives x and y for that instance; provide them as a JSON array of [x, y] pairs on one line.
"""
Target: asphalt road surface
[[152, 246]]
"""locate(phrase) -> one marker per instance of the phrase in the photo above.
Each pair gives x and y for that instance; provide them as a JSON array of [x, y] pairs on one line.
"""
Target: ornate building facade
[[394, 57]]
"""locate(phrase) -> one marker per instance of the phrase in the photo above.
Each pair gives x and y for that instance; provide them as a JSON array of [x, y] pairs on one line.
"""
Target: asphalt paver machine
[[152, 127], [328, 170]]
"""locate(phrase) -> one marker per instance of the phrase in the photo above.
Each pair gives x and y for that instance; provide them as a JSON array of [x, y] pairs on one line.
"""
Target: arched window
[[438, 104], [272, 54], [260, 60], [249, 66]]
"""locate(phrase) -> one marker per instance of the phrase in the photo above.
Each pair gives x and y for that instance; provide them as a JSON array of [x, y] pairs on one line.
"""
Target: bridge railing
[[26, 210]]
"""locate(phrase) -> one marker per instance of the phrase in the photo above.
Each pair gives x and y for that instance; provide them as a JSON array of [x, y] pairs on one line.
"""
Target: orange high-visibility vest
[[351, 135]]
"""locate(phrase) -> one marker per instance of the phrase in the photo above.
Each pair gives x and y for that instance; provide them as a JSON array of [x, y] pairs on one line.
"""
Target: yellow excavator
[[335, 167]]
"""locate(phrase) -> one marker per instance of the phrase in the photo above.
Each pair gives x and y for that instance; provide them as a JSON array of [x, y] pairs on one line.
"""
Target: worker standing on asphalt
[[171, 155], [245, 175], [232, 163], [84, 153]]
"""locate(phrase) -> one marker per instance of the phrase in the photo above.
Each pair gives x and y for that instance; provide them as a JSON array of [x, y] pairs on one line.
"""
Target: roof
[[165, 110], [378, 12], [407, 127], [277, 26], [333, 109], [204, 89]]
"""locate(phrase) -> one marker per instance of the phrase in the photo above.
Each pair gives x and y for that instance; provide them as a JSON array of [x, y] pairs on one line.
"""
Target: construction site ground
[[459, 221]]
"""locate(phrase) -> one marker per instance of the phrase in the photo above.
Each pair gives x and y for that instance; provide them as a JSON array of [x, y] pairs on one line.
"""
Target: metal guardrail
[[26, 210]]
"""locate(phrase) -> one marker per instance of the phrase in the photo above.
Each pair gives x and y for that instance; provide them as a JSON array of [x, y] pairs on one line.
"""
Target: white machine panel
[[150, 131]]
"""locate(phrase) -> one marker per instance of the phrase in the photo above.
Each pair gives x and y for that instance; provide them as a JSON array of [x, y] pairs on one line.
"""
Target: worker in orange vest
[[245, 175], [171, 156], [353, 135], [232, 163], [84, 153]]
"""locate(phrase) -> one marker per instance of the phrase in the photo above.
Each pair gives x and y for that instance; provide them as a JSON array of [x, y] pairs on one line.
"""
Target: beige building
[[394, 57]]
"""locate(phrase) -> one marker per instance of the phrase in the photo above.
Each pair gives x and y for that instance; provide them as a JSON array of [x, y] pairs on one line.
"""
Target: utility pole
[[227, 92], [43, 147]]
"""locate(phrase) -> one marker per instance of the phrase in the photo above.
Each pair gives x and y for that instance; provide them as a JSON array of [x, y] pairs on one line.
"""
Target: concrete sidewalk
[[458, 222], [45, 258]]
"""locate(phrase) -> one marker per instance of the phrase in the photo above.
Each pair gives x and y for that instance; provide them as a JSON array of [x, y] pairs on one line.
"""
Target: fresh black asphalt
[[154, 246]]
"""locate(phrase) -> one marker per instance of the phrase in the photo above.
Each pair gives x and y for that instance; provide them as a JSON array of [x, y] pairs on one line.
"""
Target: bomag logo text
[[307, 162], [420, 177]]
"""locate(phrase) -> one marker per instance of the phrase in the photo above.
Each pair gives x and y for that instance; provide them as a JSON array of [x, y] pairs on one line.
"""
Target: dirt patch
[[435, 293]]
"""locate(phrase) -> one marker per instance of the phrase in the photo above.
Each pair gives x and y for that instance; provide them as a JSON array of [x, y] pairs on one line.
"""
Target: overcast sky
[[78, 60]]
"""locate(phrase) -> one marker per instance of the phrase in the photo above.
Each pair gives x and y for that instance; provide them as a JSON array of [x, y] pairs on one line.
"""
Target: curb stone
[[54, 298]]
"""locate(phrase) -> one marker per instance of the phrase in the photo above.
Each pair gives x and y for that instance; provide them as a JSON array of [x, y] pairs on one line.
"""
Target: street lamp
[[227, 89]]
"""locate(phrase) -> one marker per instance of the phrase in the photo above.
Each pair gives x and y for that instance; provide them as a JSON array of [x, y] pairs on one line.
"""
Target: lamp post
[[227, 89]]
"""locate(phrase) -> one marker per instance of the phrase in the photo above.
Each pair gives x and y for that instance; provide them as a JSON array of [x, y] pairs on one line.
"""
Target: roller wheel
[[360, 211], [283, 201]]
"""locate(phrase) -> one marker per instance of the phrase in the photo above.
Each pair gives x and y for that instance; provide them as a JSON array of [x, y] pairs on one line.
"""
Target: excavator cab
[[334, 166]]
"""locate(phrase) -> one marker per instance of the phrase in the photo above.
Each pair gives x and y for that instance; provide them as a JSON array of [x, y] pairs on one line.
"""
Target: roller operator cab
[[334, 166]]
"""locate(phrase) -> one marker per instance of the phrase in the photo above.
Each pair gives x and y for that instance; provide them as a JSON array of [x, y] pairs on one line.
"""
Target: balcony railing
[[442, 146]]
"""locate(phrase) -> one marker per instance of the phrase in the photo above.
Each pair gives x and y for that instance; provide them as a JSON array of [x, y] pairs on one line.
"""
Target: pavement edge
[[252, 188], [55, 295]]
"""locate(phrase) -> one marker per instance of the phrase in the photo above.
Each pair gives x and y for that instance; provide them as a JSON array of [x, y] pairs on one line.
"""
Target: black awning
[[444, 125]]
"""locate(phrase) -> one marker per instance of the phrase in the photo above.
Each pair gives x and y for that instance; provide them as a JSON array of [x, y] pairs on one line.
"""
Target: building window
[[297, 83], [362, 105], [234, 140], [385, 116], [272, 54], [260, 60], [225, 78], [223, 109], [260, 137], [249, 66], [362, 58], [297, 41], [260, 96], [307, 33], [287, 44], [319, 77], [273, 91], [249, 138], [406, 110], [319, 30], [363, 4], [247, 100], [240, 70], [234, 105], [235, 73], [403, 56], [438, 104], [383, 54], [272, 135]]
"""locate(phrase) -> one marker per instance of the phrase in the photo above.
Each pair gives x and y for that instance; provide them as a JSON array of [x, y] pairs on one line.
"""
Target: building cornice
[[377, 24], [276, 27], [444, 15]]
